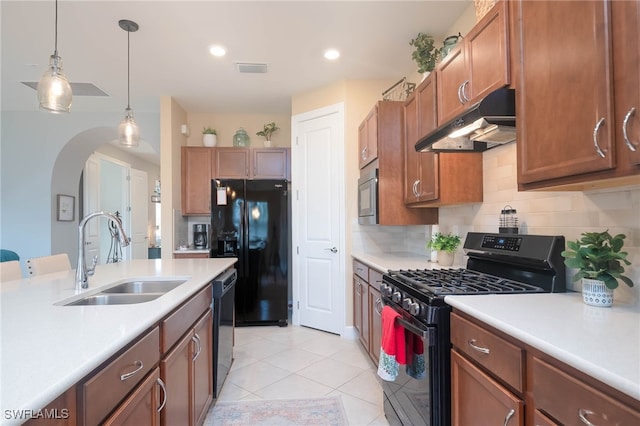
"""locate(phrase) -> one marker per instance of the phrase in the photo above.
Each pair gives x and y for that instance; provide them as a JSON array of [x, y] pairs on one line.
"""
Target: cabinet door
[[626, 55], [368, 138], [357, 305], [270, 163], [364, 303], [452, 75], [203, 367], [141, 407], [411, 157], [564, 102], [487, 54], [197, 171], [478, 399], [375, 323], [175, 370], [232, 163]]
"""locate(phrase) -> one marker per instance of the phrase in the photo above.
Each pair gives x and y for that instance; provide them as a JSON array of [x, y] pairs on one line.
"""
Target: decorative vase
[[241, 138], [596, 293], [209, 139], [445, 258], [267, 143]]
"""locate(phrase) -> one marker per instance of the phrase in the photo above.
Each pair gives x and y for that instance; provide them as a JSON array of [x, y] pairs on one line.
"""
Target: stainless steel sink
[[143, 286], [115, 299]]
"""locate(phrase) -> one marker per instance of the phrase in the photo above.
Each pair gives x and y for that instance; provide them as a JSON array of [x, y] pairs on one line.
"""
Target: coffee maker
[[200, 235]]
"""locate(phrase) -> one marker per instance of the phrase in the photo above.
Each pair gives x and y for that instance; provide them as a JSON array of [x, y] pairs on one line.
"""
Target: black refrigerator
[[250, 221]]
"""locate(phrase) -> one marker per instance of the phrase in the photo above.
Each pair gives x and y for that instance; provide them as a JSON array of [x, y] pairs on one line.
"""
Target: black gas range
[[497, 264]]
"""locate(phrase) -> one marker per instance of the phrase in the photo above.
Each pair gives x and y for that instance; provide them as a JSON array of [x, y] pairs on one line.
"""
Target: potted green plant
[[598, 258], [209, 136], [267, 131], [446, 246], [425, 54]]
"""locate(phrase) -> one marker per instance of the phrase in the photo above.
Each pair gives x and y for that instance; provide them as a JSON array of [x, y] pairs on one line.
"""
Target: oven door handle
[[428, 335]]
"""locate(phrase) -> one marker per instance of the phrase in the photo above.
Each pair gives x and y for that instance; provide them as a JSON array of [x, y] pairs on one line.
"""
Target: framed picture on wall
[[66, 208]]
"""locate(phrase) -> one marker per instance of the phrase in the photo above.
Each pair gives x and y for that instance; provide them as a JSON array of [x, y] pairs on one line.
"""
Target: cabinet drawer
[[503, 359], [375, 279], [102, 392], [565, 398], [177, 323], [361, 270]]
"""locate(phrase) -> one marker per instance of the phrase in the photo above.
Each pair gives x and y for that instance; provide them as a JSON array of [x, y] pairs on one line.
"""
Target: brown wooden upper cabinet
[[201, 164], [198, 168], [368, 138], [578, 102], [435, 179], [477, 66], [252, 163], [389, 128]]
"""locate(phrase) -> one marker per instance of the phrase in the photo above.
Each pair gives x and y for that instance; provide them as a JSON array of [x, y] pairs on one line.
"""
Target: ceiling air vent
[[78, 89], [251, 68]]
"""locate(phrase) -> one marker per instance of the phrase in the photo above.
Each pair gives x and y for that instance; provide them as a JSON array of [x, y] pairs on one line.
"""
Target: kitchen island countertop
[[46, 348]]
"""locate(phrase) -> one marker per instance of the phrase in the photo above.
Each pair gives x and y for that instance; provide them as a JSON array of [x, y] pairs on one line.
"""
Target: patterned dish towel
[[416, 366], [392, 350]]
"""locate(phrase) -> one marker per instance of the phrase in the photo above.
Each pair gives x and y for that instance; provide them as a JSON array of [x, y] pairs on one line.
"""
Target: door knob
[[333, 250]]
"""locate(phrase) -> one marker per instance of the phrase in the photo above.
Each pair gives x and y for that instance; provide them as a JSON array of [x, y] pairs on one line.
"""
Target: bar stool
[[10, 271], [48, 264]]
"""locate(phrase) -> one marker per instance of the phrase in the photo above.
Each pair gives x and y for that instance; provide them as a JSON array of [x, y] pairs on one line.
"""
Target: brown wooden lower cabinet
[[204, 255], [175, 369], [493, 373], [367, 308], [477, 399], [143, 406]]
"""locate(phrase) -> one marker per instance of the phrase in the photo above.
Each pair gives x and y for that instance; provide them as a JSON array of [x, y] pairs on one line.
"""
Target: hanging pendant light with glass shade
[[128, 130], [54, 90]]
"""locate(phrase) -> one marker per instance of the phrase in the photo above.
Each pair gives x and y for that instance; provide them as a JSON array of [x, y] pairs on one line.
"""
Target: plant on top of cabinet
[[267, 131], [597, 257], [445, 245], [209, 136], [425, 54]]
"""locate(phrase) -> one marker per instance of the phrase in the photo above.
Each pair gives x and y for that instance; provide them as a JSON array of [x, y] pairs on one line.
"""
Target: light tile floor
[[297, 362]]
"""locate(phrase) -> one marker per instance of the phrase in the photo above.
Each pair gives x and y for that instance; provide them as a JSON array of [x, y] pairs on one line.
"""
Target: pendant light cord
[[55, 47], [128, 68]]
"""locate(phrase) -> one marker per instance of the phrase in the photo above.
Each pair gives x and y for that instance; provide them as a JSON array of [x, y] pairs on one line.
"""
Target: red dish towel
[[392, 350]]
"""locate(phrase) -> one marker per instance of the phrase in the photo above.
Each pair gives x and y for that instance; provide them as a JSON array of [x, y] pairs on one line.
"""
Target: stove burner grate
[[461, 281]]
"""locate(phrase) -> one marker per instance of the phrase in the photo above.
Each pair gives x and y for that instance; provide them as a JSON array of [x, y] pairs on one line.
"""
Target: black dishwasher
[[223, 318]]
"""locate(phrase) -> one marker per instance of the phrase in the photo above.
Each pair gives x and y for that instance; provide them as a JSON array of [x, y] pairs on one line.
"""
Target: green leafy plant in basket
[[442, 242], [597, 256]]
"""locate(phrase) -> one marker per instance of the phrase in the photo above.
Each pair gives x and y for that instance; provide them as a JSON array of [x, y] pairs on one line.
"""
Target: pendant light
[[128, 130], [54, 91]]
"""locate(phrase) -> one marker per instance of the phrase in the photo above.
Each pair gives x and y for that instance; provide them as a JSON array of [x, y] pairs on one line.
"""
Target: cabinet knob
[[509, 415], [164, 393]]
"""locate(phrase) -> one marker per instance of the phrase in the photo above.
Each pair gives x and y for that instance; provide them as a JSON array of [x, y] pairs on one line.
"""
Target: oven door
[[414, 398]]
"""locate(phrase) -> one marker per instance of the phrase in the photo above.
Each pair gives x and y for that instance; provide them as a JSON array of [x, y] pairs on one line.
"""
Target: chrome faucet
[[82, 272]]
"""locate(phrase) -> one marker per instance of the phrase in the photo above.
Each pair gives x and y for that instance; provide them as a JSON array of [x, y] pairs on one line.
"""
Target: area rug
[[292, 412]]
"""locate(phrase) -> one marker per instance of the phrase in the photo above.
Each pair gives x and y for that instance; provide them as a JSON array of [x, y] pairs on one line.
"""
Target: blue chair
[[8, 255]]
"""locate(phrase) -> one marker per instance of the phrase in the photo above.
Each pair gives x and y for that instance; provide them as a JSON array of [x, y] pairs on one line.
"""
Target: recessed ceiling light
[[217, 51], [331, 54]]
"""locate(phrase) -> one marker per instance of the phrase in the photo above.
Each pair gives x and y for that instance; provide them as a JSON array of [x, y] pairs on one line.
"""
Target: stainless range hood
[[488, 123]]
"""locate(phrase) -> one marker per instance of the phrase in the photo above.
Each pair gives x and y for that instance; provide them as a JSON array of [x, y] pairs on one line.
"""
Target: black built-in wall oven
[[497, 264]]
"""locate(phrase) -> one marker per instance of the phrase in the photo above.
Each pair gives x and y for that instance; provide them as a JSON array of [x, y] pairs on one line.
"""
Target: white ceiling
[[169, 54]]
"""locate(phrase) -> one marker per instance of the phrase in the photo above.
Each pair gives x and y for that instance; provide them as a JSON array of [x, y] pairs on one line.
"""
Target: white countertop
[[384, 262], [190, 250], [46, 348], [601, 342]]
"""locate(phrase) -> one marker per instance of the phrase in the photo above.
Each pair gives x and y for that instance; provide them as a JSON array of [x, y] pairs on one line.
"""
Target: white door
[[139, 214], [317, 166], [91, 197]]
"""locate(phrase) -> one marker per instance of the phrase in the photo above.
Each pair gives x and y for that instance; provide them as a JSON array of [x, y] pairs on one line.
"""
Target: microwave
[[368, 198]]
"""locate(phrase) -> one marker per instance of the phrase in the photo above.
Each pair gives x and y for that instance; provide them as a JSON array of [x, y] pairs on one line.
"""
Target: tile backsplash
[[567, 213]]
